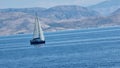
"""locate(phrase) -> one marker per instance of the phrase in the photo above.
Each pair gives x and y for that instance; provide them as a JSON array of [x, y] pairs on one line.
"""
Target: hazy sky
[[44, 3]]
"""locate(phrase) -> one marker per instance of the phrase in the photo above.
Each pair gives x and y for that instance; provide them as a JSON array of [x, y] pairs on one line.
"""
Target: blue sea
[[85, 48]]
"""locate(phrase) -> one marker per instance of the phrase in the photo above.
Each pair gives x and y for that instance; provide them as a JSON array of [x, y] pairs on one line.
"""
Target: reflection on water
[[38, 45]]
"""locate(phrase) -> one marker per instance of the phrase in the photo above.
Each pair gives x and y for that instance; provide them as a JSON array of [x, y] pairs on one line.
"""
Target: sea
[[82, 48]]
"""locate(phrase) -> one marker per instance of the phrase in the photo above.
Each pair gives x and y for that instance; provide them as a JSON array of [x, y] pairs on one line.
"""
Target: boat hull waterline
[[36, 41]]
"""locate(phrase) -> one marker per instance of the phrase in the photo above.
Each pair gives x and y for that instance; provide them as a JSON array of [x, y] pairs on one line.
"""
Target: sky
[[45, 3]]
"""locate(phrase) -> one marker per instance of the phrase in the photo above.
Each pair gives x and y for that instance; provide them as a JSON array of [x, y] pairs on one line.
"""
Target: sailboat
[[38, 36]]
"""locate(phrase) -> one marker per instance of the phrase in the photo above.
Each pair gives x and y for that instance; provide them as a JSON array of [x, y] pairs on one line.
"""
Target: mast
[[38, 32], [35, 29]]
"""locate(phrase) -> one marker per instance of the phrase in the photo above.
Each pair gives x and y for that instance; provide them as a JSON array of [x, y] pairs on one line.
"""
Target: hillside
[[107, 7], [20, 21], [67, 12], [117, 12], [115, 16], [17, 21], [30, 11]]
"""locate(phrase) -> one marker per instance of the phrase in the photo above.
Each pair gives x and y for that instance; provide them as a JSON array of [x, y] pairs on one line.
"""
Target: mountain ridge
[[54, 19], [106, 7]]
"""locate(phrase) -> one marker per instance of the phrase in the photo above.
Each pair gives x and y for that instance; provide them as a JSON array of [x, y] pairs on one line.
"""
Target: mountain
[[68, 12], [25, 10], [18, 21], [115, 16], [53, 19], [58, 12], [106, 7], [117, 12]]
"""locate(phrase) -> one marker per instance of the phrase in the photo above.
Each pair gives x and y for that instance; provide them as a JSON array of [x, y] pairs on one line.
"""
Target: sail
[[38, 32]]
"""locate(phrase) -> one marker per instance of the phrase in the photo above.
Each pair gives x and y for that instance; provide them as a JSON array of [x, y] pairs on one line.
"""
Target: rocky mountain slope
[[20, 21], [107, 7]]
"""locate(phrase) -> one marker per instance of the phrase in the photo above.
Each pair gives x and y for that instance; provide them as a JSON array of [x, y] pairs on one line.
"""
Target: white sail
[[35, 34], [38, 32]]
